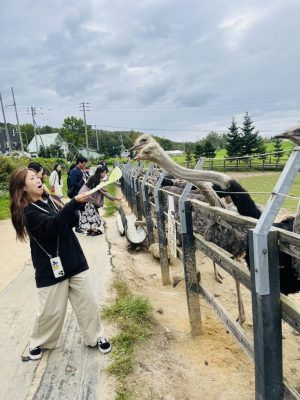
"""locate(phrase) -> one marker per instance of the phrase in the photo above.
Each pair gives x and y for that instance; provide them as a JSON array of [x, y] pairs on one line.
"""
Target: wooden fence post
[[139, 200], [188, 256], [267, 333], [190, 270], [162, 238]]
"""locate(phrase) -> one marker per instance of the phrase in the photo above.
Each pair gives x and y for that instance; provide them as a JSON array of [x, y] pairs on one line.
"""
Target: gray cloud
[[172, 65]]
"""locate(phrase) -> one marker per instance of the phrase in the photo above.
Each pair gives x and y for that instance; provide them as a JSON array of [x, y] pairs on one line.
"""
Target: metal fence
[[268, 309]]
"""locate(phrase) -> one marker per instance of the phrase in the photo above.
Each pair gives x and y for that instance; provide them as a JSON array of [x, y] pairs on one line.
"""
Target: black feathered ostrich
[[148, 149]]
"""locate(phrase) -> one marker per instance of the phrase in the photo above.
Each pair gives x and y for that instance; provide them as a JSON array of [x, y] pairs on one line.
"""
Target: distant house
[[174, 152], [92, 154], [47, 140]]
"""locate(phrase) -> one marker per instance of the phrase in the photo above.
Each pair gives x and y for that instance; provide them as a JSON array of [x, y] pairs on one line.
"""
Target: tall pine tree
[[252, 142], [209, 150], [198, 152], [233, 144]]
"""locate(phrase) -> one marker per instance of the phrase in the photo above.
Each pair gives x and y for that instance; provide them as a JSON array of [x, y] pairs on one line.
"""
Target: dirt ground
[[173, 365]]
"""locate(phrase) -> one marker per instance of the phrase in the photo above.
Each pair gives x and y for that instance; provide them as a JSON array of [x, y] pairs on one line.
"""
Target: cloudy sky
[[177, 69]]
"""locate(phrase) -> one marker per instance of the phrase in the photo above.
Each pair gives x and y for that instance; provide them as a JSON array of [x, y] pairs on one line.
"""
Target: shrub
[[5, 170]]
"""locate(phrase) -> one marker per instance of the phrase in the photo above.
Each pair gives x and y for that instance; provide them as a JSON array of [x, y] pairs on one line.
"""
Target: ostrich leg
[[218, 276], [242, 317]]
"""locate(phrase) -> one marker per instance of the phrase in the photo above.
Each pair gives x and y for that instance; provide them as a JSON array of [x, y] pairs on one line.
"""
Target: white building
[[92, 154], [47, 140], [174, 152]]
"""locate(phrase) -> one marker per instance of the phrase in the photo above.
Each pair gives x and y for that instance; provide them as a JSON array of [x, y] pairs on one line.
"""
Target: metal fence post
[[162, 238], [267, 333], [189, 259], [147, 206], [265, 297]]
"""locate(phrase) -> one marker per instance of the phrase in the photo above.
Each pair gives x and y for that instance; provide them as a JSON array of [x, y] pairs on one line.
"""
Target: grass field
[[220, 154], [265, 182], [4, 206]]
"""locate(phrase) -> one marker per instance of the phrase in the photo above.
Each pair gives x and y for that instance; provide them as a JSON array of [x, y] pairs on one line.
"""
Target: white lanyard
[[42, 209], [49, 255], [46, 211]]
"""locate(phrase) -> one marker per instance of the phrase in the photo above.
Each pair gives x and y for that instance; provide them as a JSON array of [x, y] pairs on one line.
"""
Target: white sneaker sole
[[35, 357], [104, 351]]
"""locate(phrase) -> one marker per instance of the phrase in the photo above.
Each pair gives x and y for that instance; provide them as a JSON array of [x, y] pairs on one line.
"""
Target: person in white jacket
[[56, 182]]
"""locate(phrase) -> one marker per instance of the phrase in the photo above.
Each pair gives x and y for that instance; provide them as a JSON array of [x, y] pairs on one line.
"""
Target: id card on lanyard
[[55, 262]]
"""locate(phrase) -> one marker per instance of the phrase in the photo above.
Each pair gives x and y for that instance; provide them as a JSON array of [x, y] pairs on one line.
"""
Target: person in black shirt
[[61, 269], [77, 177]]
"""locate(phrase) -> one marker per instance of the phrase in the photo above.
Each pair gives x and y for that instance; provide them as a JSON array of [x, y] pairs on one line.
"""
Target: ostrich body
[[148, 149]]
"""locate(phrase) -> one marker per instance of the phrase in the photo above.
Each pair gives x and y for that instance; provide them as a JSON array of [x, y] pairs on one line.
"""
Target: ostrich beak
[[135, 147], [293, 135]]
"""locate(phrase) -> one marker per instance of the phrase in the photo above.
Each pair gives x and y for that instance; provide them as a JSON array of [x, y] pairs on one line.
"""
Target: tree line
[[238, 141]]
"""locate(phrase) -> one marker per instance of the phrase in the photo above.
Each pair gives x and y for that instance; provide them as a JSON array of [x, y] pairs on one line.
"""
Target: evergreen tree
[[44, 152], [198, 152], [56, 151], [233, 144], [209, 150], [278, 149], [188, 153], [252, 143]]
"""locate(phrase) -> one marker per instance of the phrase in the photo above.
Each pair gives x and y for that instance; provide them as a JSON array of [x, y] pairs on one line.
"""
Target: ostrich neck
[[190, 174]]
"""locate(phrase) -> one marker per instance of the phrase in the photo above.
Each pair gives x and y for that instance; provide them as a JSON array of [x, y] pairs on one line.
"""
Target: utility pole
[[5, 125], [34, 127], [83, 104], [17, 118], [96, 130]]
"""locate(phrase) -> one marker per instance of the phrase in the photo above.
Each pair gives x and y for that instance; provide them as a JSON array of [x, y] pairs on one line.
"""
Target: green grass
[[133, 316], [221, 153], [266, 183], [4, 206], [110, 206]]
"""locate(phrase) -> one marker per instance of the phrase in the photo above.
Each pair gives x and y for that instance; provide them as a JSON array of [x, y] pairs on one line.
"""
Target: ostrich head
[[292, 134], [147, 149]]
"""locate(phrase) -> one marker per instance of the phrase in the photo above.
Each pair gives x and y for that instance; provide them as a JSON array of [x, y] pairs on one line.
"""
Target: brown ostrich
[[148, 149]]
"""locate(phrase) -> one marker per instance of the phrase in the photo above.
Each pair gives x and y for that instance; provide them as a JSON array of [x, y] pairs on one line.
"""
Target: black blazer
[[48, 227], [75, 181]]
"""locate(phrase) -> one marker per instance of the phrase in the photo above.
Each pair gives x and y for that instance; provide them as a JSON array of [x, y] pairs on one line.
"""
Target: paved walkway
[[72, 371]]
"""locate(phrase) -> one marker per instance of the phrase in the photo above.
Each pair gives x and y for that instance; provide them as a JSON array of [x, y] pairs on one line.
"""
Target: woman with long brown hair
[[61, 269]]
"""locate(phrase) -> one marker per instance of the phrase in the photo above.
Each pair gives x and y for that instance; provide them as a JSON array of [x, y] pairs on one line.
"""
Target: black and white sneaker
[[35, 353], [104, 345]]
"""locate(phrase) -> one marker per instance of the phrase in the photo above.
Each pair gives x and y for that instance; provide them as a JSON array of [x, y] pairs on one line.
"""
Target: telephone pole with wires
[[84, 106], [33, 112], [5, 125], [17, 118]]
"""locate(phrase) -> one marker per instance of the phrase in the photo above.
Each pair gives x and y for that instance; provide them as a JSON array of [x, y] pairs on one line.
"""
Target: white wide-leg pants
[[52, 306]]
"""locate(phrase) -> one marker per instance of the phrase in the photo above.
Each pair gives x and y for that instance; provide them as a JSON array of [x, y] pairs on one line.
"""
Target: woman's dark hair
[[37, 167], [94, 180], [58, 172], [18, 201]]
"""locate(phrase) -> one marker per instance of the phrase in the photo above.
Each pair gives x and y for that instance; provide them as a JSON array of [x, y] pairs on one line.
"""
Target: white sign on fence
[[171, 234]]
